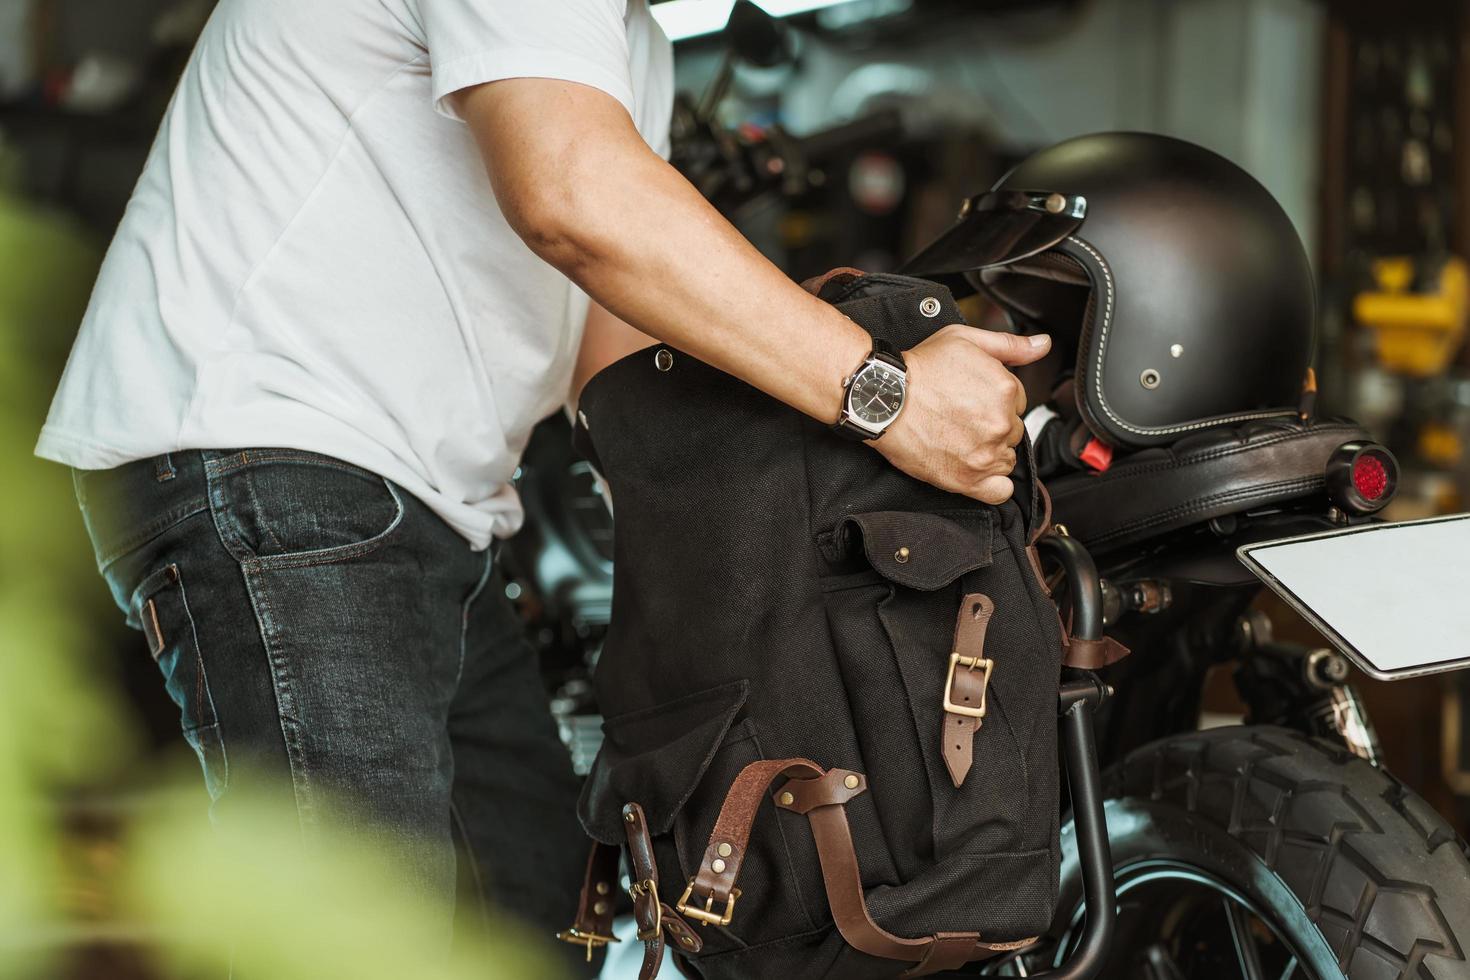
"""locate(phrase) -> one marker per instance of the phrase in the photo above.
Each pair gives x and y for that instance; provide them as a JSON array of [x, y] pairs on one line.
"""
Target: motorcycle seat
[[1202, 476]]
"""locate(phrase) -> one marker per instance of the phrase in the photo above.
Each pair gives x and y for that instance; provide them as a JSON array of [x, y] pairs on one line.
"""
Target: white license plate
[[1394, 598]]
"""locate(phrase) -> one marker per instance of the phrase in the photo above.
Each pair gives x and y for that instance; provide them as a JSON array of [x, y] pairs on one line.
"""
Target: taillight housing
[[1362, 477]]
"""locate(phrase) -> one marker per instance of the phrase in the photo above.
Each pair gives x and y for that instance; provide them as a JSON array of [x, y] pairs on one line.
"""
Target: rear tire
[[1330, 860]]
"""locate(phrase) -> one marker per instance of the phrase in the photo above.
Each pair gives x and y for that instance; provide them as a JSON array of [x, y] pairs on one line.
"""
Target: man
[[319, 343]]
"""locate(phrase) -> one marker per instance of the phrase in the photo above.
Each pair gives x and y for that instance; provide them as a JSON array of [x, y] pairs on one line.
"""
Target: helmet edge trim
[[1093, 376]]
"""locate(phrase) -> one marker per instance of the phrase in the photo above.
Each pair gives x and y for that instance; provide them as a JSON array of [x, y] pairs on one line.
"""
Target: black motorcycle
[[1276, 849], [1273, 850]]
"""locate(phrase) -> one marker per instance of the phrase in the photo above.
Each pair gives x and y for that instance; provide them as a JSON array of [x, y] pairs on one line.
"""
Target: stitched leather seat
[[1211, 474]]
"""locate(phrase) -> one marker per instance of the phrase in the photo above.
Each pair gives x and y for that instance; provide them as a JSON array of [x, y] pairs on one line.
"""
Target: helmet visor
[[997, 228]]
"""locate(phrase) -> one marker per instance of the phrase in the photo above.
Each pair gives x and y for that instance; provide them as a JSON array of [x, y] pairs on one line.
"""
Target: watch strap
[[889, 354], [849, 429]]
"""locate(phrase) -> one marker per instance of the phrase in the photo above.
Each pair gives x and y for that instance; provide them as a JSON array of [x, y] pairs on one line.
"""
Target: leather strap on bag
[[593, 925], [720, 867], [1088, 654], [1093, 654], [1082, 654], [965, 685], [821, 795], [653, 916], [816, 284], [1040, 528], [822, 802]]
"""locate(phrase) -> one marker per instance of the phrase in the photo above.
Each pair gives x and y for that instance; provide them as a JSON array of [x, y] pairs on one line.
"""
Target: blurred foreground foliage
[[152, 876], [337, 910]]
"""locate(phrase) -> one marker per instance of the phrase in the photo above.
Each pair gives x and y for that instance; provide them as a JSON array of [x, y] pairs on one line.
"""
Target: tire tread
[[1285, 795]]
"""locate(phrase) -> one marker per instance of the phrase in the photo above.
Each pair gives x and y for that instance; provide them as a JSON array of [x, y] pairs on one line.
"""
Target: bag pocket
[[894, 627], [677, 760], [160, 608]]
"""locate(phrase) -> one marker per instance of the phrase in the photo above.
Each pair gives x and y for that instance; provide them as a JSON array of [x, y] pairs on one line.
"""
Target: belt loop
[[164, 468]]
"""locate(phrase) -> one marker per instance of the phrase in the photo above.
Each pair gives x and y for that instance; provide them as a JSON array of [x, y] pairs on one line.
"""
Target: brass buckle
[[706, 915], [591, 940], [969, 663], [648, 887]]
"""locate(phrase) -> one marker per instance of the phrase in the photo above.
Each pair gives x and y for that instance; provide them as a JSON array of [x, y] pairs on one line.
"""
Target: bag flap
[[901, 310], [922, 550], [656, 757]]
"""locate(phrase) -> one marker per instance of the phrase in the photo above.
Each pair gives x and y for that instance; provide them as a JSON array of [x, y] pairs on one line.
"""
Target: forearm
[[656, 254], [633, 233]]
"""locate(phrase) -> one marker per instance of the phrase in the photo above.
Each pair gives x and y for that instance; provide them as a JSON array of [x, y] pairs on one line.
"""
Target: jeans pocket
[[287, 507], [161, 606]]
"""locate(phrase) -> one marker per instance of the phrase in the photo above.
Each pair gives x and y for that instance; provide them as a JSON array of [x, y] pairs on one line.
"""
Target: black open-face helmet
[[1177, 277]]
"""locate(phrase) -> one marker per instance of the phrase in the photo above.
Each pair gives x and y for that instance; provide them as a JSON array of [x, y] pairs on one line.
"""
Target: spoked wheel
[[1261, 854]]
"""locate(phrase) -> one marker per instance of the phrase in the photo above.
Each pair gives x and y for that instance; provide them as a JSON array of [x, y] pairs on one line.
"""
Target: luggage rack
[[1078, 697]]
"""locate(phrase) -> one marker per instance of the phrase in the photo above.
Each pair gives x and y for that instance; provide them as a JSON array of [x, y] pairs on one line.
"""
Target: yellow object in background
[[1440, 445], [1418, 333]]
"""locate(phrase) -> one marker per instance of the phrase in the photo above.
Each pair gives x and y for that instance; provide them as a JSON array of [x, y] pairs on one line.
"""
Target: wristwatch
[[873, 395]]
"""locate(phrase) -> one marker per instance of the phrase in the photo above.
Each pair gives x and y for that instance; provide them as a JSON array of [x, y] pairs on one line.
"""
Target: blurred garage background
[[848, 139]]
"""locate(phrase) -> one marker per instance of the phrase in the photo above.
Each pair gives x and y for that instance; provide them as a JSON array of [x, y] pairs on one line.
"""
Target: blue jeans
[[325, 635]]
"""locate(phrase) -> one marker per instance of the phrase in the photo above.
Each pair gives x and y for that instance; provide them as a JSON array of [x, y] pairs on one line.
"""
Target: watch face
[[877, 395]]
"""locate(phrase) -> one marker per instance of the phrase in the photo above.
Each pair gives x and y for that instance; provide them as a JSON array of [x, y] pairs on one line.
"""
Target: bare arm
[[585, 192]]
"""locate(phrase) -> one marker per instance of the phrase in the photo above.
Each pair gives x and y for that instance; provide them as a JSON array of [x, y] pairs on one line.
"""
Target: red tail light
[[1362, 477], [1370, 476]]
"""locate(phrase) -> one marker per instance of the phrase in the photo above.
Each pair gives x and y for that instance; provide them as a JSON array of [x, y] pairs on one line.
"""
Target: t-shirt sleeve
[[651, 57], [471, 42]]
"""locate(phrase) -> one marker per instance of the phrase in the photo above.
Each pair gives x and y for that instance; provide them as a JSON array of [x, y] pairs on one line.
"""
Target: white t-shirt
[[313, 258]]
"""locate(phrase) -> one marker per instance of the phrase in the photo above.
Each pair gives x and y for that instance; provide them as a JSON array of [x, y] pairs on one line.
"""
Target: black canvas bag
[[792, 753]]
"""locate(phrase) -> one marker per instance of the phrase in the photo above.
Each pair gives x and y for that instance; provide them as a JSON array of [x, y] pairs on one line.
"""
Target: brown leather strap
[[1043, 525], [653, 916], [966, 685], [1035, 559], [816, 284], [835, 787], [1088, 654], [681, 932], [595, 909], [647, 908], [593, 925], [1093, 654], [653, 956], [822, 796], [714, 883], [1041, 528], [948, 951], [1082, 654], [822, 801], [843, 880]]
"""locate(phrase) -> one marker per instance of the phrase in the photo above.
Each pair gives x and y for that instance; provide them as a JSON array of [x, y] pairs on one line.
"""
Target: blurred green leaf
[[255, 896], [341, 908]]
